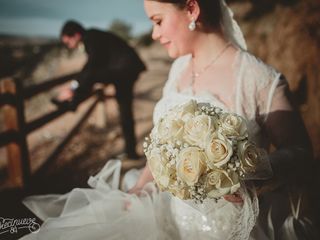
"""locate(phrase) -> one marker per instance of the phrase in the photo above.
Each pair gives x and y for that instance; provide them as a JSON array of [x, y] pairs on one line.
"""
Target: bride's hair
[[210, 12]]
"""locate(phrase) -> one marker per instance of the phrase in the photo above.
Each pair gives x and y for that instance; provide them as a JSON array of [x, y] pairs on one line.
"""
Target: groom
[[110, 61]]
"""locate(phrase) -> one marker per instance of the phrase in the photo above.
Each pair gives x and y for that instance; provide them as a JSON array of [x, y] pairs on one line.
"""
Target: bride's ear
[[193, 9]]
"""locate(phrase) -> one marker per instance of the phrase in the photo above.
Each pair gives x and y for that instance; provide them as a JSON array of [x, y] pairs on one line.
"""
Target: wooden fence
[[14, 137]]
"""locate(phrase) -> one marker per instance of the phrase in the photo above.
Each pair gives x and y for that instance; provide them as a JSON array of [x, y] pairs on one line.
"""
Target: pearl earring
[[192, 25]]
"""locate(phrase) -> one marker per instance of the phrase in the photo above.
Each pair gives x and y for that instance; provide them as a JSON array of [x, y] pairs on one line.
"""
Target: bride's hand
[[135, 190], [144, 178], [234, 198]]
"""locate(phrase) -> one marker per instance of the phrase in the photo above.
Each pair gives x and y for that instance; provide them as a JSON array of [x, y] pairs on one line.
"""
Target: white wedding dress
[[105, 212]]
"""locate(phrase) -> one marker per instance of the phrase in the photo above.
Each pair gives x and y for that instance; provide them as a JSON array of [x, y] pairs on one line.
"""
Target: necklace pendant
[[195, 75]]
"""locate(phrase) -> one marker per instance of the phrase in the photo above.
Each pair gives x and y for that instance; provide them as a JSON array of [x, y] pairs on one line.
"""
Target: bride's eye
[[157, 22]]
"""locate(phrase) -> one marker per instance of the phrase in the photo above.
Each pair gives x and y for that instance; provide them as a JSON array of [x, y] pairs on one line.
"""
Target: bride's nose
[[155, 33]]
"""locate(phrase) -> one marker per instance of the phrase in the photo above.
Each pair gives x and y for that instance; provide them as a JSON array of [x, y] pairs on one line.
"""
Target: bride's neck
[[206, 47]]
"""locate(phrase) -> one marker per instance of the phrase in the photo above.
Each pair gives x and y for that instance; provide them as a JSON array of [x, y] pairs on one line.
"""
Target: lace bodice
[[257, 89], [256, 86]]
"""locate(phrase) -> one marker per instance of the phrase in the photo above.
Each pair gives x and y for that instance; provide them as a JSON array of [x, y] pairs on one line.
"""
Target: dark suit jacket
[[110, 60]]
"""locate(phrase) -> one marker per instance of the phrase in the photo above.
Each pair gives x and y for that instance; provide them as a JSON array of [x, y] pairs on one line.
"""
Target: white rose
[[186, 111], [156, 164], [158, 160], [233, 125], [197, 129], [249, 156], [191, 165], [218, 150], [220, 183], [164, 180], [168, 129]]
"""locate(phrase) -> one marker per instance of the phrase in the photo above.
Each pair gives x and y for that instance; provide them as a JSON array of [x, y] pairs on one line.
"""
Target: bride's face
[[170, 27]]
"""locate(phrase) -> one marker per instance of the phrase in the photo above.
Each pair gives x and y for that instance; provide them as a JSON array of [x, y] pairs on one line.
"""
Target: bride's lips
[[166, 44]]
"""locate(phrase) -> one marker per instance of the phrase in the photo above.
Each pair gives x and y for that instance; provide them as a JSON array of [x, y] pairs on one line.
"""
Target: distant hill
[[19, 52], [15, 40]]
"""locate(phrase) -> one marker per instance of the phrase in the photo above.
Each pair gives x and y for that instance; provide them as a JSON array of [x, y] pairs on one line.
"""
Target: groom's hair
[[70, 28], [210, 14]]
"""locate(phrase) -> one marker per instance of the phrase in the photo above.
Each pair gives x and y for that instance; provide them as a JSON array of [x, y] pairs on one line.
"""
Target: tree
[[144, 39], [121, 28]]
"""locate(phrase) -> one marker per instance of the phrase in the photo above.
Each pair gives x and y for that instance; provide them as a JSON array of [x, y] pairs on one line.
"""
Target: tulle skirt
[[105, 212]]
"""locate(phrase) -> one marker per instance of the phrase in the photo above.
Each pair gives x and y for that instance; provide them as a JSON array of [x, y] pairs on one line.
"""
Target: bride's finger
[[234, 198], [127, 205], [134, 190]]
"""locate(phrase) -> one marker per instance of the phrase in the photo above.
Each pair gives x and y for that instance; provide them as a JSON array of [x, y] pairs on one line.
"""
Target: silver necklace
[[195, 75]]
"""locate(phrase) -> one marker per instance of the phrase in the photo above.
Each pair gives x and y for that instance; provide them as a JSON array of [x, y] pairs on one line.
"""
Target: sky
[[45, 17]]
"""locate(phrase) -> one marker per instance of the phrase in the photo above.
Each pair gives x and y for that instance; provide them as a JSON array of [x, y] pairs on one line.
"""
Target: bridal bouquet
[[197, 151]]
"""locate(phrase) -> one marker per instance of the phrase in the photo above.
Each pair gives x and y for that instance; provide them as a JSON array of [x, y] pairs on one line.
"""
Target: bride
[[212, 65]]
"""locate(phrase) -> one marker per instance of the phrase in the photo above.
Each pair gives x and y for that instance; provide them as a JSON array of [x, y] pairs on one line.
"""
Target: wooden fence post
[[13, 149], [22, 136], [18, 156]]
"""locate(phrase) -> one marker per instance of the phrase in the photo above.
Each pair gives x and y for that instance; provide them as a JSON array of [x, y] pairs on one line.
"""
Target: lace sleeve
[[283, 125], [272, 97]]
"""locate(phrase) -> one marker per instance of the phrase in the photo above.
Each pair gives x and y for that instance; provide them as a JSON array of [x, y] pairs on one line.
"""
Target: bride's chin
[[173, 55]]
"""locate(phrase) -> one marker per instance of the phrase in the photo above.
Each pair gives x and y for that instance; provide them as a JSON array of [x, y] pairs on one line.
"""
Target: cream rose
[[158, 163], [168, 129], [164, 180], [218, 150], [191, 165], [220, 183], [233, 125], [249, 156], [197, 129], [186, 111], [155, 162]]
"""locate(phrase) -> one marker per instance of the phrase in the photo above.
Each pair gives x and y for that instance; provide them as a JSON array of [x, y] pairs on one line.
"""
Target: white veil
[[231, 28], [250, 209]]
